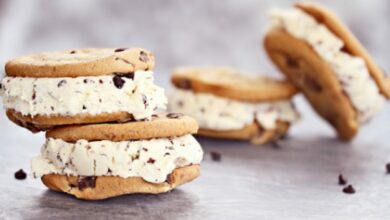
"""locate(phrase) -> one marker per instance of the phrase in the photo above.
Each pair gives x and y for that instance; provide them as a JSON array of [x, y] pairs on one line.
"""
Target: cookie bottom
[[254, 133], [316, 78], [42, 122], [105, 187]]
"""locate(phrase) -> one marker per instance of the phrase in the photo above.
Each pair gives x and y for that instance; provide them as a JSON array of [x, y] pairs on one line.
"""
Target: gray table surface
[[296, 181]]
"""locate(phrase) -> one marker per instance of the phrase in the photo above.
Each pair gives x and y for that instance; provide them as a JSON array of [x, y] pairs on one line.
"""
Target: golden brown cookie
[[228, 83], [351, 43], [161, 125], [42, 123], [103, 187], [253, 132], [315, 77], [81, 62]]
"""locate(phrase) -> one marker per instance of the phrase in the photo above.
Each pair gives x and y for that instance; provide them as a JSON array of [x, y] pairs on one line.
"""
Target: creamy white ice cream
[[153, 160], [218, 113], [133, 93], [351, 71]]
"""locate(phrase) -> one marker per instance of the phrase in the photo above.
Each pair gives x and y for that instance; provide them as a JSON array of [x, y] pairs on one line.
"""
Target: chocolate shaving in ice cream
[[151, 160], [174, 115], [72, 52], [86, 182], [61, 83]]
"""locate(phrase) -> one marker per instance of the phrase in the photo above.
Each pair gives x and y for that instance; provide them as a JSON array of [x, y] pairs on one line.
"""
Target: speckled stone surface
[[296, 181]]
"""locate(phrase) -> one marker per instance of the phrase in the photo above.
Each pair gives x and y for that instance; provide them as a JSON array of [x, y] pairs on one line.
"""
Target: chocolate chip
[[84, 107], [52, 108], [151, 160], [86, 182], [72, 52], [143, 57], [342, 180], [202, 110], [184, 84], [174, 115], [34, 95], [349, 189], [129, 75], [100, 81], [118, 81], [145, 101], [145, 149], [388, 167], [167, 154], [61, 83], [120, 50], [215, 156], [20, 175], [85, 81]]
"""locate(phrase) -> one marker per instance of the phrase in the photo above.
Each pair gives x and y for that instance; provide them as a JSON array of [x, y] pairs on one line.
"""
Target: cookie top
[[229, 83], [351, 43], [81, 62], [161, 126]]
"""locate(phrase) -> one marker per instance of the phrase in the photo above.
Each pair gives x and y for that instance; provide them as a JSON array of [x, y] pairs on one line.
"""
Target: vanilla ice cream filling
[[351, 71], [153, 160], [218, 113], [134, 93]]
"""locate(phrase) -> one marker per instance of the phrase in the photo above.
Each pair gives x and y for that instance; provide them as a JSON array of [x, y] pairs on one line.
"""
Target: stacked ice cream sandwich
[[99, 110], [231, 105]]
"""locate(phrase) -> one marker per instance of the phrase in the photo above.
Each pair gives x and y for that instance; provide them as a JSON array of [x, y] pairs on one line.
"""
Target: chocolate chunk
[[143, 57], [145, 100], [118, 81], [20, 175], [61, 83], [129, 75], [34, 95], [215, 156], [151, 160], [342, 180], [100, 81], [349, 189], [85, 81], [174, 115], [184, 84], [72, 52], [120, 50], [86, 182], [84, 107], [388, 167]]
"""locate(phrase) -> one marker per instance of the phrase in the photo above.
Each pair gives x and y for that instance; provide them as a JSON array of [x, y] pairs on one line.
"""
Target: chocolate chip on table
[[215, 156], [349, 189], [151, 160], [174, 115], [86, 182], [20, 175], [120, 50], [118, 81], [61, 83], [342, 180], [388, 168], [143, 57]]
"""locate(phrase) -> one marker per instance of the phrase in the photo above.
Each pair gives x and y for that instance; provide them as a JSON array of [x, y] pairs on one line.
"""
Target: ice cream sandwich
[[82, 86], [231, 105], [100, 161], [318, 53]]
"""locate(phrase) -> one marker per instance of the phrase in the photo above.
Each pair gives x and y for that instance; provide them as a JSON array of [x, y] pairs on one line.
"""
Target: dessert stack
[[104, 135]]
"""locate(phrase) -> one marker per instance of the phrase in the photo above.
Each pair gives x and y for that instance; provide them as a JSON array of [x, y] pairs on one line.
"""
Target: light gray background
[[295, 182]]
